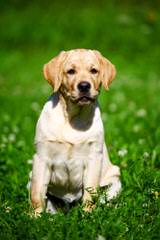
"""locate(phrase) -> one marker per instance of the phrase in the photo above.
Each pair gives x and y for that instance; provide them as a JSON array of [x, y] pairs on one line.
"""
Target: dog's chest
[[67, 162], [67, 167], [52, 126]]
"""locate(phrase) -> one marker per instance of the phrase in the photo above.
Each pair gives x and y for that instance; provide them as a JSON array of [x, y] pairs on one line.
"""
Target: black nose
[[84, 86]]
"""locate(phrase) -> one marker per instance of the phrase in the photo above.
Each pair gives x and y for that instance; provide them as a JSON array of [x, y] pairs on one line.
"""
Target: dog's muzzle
[[84, 93]]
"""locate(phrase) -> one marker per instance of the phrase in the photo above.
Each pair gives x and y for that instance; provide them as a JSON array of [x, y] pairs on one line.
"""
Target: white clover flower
[[28, 186], [35, 106], [144, 205], [30, 174], [51, 219], [3, 145], [113, 107], [141, 113], [102, 199], [6, 117], [8, 209], [29, 161], [104, 116], [45, 89], [125, 19], [136, 128], [145, 154], [119, 97], [15, 129], [100, 237], [4, 139], [11, 137], [122, 152], [141, 141], [20, 143]]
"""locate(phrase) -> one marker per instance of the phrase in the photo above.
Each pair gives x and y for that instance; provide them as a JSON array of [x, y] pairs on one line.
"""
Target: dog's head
[[79, 73]]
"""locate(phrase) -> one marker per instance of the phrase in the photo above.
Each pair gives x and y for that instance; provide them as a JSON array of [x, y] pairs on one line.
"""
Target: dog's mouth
[[85, 100]]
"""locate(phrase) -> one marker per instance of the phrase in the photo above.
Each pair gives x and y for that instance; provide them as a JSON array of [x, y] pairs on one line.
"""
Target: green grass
[[129, 35]]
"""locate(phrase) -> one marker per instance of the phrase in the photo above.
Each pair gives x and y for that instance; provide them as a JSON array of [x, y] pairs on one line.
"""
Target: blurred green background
[[32, 32], [128, 34]]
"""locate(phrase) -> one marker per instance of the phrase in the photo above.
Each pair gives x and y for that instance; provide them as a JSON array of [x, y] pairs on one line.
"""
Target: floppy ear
[[108, 70], [53, 71]]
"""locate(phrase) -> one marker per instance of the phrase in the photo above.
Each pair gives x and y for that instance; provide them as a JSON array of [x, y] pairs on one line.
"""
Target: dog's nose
[[84, 86]]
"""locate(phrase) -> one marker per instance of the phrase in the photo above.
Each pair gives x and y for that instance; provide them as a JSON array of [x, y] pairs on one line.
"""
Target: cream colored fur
[[71, 155]]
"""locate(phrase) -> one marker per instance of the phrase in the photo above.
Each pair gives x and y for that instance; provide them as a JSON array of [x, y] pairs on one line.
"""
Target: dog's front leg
[[91, 176], [39, 183]]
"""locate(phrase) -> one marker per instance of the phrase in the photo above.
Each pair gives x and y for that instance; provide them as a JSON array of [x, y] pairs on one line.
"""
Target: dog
[[71, 155]]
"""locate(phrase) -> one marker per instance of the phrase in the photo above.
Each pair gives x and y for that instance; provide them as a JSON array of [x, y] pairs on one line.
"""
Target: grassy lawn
[[129, 35]]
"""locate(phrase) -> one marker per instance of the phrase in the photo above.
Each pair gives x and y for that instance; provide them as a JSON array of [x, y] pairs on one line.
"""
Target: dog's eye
[[71, 71], [94, 71]]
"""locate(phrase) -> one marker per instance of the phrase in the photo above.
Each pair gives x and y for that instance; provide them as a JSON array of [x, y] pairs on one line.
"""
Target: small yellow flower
[[156, 194]]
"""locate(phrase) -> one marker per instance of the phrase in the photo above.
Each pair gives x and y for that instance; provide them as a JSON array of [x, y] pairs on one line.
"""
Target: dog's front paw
[[114, 188], [37, 212], [89, 206]]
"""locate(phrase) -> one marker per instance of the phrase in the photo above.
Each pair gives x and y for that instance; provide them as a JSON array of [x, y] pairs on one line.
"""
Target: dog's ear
[[107, 71], [53, 71]]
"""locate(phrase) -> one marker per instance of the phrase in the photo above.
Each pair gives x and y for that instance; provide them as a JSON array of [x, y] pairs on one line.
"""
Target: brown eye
[[71, 71], [94, 71]]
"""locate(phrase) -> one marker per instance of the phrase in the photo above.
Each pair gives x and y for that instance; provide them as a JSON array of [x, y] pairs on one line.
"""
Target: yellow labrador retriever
[[71, 155]]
